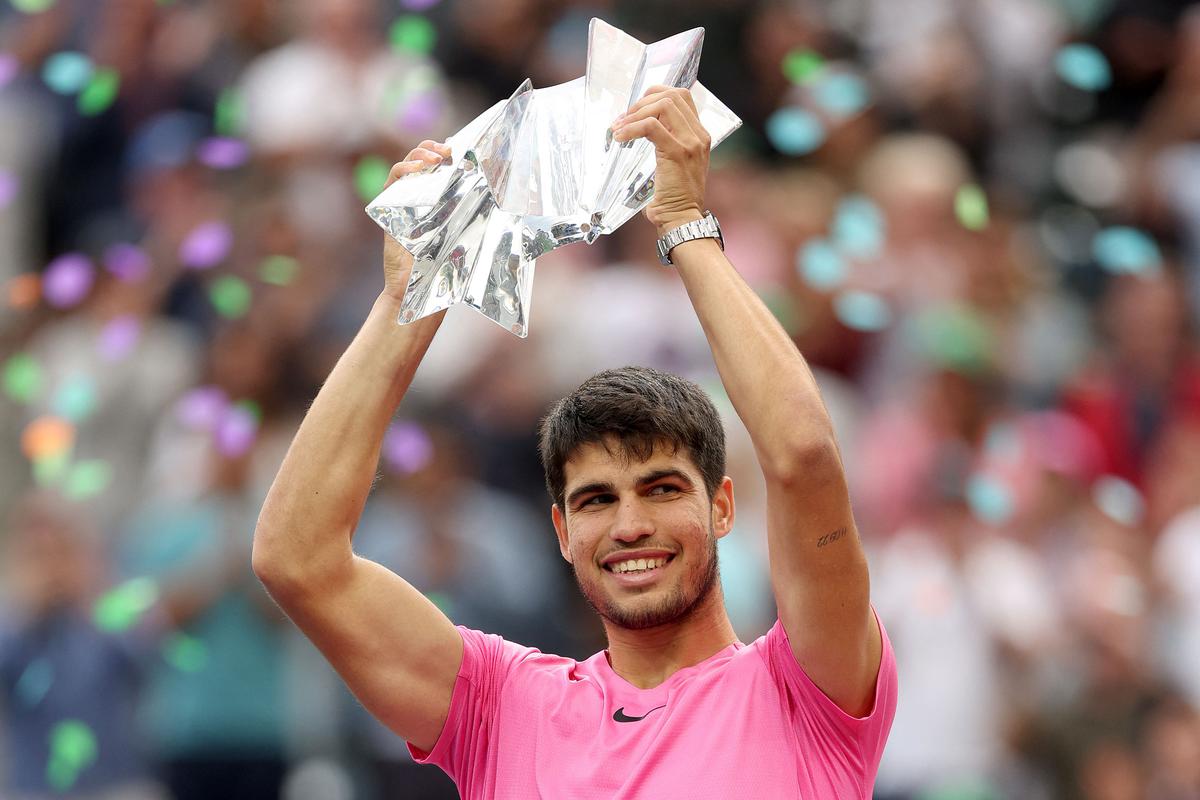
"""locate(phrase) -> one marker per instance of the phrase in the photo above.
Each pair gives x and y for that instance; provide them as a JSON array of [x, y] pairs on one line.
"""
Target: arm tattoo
[[830, 538]]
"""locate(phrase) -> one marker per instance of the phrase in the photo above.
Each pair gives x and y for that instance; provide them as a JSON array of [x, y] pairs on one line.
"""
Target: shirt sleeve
[[464, 747], [853, 743]]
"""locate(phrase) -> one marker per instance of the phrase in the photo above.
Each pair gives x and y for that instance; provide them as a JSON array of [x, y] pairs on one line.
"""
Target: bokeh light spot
[[821, 265], [119, 337], [989, 499], [122, 606], [223, 152], [1121, 249], [8, 185], [1084, 67], [49, 470], [206, 246], [842, 94], [31, 6], [795, 131], [47, 437], [237, 430], [100, 92], [67, 280], [72, 749], [9, 67], [862, 311], [802, 65], [229, 114], [35, 682], [971, 207], [127, 262], [858, 228], [22, 377], [413, 33], [407, 447], [185, 653], [24, 290], [278, 270], [418, 5], [75, 398], [67, 72], [202, 408], [370, 174], [87, 479], [231, 296], [419, 111], [1119, 500]]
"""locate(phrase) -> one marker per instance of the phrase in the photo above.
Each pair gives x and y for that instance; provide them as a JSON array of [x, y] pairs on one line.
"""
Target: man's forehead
[[610, 458]]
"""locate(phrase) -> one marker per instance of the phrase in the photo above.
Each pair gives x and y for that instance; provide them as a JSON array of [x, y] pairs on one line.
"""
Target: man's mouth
[[636, 566]]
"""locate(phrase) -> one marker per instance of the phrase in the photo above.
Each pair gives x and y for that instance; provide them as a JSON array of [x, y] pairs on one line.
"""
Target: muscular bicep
[[398, 652], [821, 585]]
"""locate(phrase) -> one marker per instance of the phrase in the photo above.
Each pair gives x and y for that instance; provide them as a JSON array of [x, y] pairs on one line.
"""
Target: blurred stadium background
[[980, 221]]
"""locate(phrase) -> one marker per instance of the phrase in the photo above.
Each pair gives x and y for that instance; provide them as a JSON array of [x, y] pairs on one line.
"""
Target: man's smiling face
[[641, 536]]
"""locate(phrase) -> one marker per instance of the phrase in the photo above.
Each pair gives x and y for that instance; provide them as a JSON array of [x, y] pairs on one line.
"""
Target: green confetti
[[413, 34], [120, 608], [278, 270], [31, 6], [72, 749], [49, 470], [75, 399], [370, 175], [971, 207], [100, 92], [87, 479], [229, 113], [22, 377], [250, 407], [801, 65], [230, 295], [185, 653]]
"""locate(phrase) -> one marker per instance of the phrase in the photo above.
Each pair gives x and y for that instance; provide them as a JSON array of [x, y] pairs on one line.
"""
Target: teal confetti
[[795, 131], [1119, 499], [858, 228], [842, 94], [1122, 249], [120, 608], [185, 653], [75, 399], [821, 265], [67, 72], [862, 311], [990, 500], [35, 682], [1084, 67]]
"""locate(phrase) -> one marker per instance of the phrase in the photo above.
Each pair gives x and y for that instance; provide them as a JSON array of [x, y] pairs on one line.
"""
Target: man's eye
[[665, 488], [596, 500]]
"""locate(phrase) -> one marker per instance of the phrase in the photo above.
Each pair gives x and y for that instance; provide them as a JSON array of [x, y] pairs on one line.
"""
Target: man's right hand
[[397, 262]]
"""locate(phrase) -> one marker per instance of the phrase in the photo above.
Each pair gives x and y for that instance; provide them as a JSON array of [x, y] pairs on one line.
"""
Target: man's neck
[[646, 658]]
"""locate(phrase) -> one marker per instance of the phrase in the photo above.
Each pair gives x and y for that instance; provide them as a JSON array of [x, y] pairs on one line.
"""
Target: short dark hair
[[640, 407]]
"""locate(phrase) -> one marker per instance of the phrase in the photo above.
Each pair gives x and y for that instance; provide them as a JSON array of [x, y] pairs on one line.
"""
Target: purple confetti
[[407, 448], [206, 246], [418, 5], [202, 408], [8, 68], [236, 432], [127, 262], [119, 337], [8, 187], [223, 152], [67, 280], [421, 112]]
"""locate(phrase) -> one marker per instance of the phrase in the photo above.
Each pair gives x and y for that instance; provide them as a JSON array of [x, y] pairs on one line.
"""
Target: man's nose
[[632, 522]]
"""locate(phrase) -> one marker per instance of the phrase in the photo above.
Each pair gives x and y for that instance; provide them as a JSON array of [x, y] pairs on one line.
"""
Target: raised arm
[[818, 568], [397, 652]]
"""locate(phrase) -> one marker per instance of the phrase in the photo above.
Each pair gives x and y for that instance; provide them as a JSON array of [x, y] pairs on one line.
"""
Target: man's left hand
[[668, 118]]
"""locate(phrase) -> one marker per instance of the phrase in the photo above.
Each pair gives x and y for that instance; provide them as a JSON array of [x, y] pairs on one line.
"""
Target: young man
[[676, 706]]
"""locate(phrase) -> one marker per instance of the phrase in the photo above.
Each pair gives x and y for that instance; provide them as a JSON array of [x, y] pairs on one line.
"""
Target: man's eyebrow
[[596, 487], [659, 474]]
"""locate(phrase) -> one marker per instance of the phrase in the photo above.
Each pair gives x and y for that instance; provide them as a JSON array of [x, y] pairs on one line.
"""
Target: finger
[[652, 129], [437, 147], [425, 154], [667, 111], [677, 92], [399, 170]]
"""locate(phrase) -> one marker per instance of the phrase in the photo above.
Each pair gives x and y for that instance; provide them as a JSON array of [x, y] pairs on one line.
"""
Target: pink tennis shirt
[[747, 722]]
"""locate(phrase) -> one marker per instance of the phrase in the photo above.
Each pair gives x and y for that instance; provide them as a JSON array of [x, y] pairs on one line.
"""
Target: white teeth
[[637, 565]]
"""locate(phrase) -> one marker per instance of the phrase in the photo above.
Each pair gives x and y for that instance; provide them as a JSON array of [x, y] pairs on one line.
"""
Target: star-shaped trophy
[[535, 172]]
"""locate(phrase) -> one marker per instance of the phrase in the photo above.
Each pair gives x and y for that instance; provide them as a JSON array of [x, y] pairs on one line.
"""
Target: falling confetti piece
[[1084, 67], [9, 67], [1119, 499], [31, 6], [858, 228], [185, 653], [842, 94], [229, 113], [127, 262], [8, 184], [862, 311], [971, 207], [1122, 249], [236, 431], [953, 337], [67, 72], [802, 66], [35, 682], [49, 470], [202, 408], [989, 499], [223, 152], [821, 265], [22, 377], [794, 131], [206, 246], [67, 280], [87, 479], [75, 399], [407, 447], [231, 296], [73, 749], [420, 111], [278, 270], [47, 437], [100, 92], [121, 607], [412, 33], [370, 174], [24, 290], [119, 337]]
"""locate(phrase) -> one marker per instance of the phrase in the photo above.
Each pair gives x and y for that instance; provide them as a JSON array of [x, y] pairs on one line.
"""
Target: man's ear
[[560, 528], [722, 506]]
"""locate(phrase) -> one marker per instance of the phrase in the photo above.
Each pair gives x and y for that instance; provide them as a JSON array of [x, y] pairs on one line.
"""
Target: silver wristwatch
[[705, 228]]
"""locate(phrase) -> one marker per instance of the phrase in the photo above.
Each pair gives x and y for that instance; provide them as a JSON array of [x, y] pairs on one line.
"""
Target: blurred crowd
[[979, 221]]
